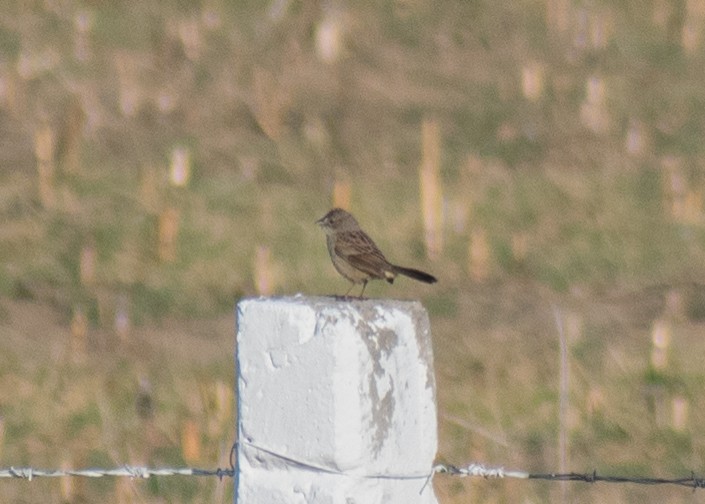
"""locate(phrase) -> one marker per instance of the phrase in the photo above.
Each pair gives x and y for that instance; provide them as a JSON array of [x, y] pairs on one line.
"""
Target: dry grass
[[565, 162]]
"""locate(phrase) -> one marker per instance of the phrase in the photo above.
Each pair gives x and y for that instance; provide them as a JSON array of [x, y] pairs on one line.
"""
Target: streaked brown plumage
[[356, 256]]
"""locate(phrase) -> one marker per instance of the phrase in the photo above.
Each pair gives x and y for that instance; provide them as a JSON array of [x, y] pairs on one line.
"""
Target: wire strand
[[470, 470]]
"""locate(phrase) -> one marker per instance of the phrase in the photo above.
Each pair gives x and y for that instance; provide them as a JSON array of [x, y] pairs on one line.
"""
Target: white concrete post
[[336, 402]]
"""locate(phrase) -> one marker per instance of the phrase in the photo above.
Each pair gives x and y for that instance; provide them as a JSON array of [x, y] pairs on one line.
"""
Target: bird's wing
[[361, 252]]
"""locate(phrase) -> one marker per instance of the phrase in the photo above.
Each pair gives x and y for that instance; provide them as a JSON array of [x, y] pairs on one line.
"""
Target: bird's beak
[[320, 221]]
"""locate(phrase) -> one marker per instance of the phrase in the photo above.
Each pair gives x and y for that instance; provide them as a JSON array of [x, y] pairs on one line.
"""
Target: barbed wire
[[498, 472], [470, 470], [29, 473]]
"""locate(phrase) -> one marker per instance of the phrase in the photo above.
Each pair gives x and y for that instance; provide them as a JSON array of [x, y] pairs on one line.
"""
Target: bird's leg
[[364, 284]]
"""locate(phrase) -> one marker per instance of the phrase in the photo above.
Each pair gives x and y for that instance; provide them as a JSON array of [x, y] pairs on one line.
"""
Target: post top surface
[[335, 301]]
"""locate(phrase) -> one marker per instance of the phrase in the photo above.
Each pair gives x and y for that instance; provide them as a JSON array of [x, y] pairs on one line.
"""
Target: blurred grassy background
[[543, 158]]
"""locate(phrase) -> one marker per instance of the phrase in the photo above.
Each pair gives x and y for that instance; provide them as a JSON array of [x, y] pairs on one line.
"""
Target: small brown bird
[[356, 256]]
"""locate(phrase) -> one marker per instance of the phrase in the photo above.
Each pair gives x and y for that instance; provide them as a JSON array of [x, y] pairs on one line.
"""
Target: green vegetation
[[571, 177]]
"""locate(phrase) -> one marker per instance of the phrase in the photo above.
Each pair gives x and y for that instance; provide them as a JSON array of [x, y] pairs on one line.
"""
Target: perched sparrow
[[356, 256]]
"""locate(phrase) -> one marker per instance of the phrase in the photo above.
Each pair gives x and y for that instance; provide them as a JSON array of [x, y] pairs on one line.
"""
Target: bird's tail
[[415, 274]]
